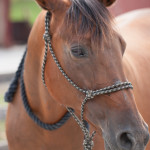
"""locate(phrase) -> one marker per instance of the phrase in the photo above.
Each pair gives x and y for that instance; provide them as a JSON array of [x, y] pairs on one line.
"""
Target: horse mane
[[89, 16]]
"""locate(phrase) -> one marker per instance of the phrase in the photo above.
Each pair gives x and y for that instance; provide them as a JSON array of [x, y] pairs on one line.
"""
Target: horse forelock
[[88, 16]]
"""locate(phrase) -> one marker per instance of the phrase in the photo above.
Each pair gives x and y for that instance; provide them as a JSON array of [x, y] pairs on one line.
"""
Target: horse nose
[[127, 140]]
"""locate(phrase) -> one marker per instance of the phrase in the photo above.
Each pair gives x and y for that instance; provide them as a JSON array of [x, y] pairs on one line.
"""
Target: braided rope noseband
[[89, 94]]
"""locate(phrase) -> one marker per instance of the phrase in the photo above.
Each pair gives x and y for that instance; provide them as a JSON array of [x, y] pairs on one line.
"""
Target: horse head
[[90, 52]]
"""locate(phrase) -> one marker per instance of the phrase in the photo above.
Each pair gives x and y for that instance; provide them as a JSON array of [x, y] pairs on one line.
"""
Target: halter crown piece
[[89, 94]]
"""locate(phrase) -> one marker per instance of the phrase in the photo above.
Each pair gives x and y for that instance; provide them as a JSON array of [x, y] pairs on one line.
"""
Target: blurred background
[[16, 20]]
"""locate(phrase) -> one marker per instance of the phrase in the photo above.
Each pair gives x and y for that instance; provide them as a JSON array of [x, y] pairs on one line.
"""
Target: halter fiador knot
[[89, 94], [46, 36], [88, 144]]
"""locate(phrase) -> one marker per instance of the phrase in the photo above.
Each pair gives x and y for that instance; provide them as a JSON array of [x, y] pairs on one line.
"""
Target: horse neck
[[40, 100]]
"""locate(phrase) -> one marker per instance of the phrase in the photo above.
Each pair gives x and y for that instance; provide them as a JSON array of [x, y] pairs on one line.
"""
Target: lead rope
[[89, 94]]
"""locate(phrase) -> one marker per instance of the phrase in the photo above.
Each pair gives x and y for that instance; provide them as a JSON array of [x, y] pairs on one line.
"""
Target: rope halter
[[89, 94]]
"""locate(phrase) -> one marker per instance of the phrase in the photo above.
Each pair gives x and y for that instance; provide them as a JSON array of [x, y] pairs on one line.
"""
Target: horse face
[[90, 52]]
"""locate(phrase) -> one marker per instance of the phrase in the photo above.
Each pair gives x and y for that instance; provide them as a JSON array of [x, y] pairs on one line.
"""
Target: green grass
[[24, 10], [2, 130]]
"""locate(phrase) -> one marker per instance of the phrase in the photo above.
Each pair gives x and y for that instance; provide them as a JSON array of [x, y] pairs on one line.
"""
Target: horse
[[85, 71]]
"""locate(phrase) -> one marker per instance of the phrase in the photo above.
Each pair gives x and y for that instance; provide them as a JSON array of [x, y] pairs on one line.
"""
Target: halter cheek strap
[[89, 94]]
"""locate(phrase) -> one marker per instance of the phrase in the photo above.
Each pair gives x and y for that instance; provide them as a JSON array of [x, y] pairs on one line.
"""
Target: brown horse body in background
[[135, 29], [115, 115]]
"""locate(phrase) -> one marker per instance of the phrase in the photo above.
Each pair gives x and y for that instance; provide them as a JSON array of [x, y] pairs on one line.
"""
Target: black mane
[[86, 16]]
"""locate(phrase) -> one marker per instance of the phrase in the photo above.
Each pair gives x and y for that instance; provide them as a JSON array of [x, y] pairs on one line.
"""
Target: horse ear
[[42, 3], [107, 2], [54, 5]]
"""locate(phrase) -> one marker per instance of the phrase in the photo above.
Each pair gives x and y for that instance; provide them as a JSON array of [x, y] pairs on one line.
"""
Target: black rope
[[46, 126], [14, 84], [11, 92]]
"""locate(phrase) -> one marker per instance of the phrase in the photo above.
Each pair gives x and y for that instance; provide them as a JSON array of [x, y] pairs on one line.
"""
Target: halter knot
[[89, 94], [88, 144], [46, 36]]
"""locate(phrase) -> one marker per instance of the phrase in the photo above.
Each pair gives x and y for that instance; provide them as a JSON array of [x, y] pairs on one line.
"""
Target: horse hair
[[88, 16]]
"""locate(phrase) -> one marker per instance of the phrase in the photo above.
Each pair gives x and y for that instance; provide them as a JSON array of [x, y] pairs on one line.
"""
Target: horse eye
[[79, 52]]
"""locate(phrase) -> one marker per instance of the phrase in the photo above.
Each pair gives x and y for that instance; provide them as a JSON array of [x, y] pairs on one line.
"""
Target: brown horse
[[91, 53]]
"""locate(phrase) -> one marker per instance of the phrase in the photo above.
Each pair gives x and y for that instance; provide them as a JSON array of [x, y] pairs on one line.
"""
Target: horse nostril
[[125, 141]]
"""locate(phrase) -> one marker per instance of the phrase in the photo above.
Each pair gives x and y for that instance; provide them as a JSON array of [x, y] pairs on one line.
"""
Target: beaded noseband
[[89, 94]]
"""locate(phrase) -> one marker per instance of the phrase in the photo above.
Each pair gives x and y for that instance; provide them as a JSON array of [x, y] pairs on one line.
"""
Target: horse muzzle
[[129, 139]]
